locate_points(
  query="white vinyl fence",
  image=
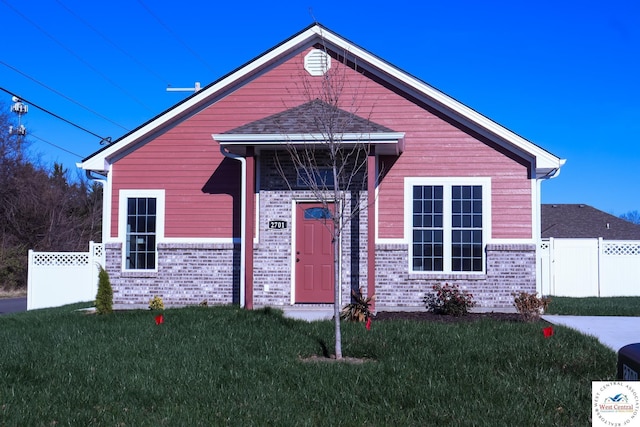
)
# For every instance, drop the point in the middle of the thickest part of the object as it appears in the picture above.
(589, 267)
(59, 278)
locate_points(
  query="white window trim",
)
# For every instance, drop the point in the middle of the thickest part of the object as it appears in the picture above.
(159, 195)
(447, 183)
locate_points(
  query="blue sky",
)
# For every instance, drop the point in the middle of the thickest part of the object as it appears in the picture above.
(563, 74)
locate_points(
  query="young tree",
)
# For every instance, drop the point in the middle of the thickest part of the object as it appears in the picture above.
(332, 167)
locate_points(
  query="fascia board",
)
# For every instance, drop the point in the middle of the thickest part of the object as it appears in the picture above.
(257, 139)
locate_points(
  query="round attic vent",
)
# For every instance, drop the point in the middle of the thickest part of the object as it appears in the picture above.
(317, 62)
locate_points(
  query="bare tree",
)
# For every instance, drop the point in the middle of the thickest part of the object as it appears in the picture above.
(631, 216)
(332, 163)
(40, 209)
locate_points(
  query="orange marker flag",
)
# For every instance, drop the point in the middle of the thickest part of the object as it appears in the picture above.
(548, 331)
(159, 319)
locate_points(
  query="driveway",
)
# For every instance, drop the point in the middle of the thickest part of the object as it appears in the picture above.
(614, 332)
(13, 305)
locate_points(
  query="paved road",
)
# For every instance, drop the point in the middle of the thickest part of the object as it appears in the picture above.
(13, 305)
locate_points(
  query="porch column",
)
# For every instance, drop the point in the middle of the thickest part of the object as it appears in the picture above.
(247, 245)
(371, 225)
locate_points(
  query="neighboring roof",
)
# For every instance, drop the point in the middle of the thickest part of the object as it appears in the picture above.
(584, 221)
(545, 163)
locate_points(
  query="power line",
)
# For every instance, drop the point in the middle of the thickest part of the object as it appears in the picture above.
(56, 146)
(166, 27)
(102, 139)
(79, 58)
(105, 38)
(61, 94)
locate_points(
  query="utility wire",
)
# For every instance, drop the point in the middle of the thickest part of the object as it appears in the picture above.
(78, 57)
(102, 139)
(56, 146)
(62, 95)
(166, 27)
(105, 38)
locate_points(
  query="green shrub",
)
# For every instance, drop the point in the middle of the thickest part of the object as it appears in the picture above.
(449, 300)
(156, 303)
(104, 298)
(530, 306)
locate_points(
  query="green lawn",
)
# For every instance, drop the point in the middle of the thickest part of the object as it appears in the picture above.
(227, 366)
(593, 306)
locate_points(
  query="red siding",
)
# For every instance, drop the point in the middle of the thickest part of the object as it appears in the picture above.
(184, 158)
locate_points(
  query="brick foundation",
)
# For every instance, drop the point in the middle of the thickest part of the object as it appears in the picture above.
(188, 274)
(510, 269)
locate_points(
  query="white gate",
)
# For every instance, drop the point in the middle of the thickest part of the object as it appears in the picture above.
(589, 267)
(59, 278)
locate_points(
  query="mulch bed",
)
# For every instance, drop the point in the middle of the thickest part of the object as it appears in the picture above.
(426, 316)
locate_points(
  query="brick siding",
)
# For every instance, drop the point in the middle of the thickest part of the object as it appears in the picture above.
(510, 269)
(188, 274)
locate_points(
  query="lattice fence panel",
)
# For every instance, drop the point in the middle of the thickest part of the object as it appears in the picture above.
(98, 250)
(621, 248)
(60, 259)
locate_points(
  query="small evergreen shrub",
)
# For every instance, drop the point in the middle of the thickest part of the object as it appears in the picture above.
(358, 310)
(530, 306)
(156, 303)
(449, 300)
(104, 298)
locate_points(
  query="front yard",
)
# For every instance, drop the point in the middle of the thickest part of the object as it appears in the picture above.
(224, 365)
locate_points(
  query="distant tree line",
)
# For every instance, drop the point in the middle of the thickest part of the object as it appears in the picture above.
(631, 216)
(41, 208)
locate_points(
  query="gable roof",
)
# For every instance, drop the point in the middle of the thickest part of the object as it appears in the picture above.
(545, 163)
(584, 221)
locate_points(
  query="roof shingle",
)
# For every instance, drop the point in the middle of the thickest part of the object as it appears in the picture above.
(310, 118)
(584, 221)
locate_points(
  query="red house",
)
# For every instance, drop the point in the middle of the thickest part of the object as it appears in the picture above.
(195, 208)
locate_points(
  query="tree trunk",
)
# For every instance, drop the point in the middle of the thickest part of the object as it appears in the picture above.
(336, 294)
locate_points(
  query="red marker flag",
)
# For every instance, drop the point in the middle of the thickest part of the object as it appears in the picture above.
(159, 319)
(548, 331)
(368, 325)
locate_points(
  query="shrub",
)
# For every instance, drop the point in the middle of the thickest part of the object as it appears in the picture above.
(156, 303)
(530, 306)
(449, 300)
(104, 298)
(358, 310)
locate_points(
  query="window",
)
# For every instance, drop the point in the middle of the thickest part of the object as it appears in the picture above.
(320, 178)
(141, 227)
(141, 233)
(317, 213)
(448, 224)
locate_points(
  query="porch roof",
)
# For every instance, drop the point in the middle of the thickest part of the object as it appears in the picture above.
(314, 122)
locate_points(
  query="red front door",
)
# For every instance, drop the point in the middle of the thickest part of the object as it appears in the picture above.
(314, 254)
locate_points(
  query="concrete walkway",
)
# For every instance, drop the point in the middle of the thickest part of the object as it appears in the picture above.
(614, 332)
